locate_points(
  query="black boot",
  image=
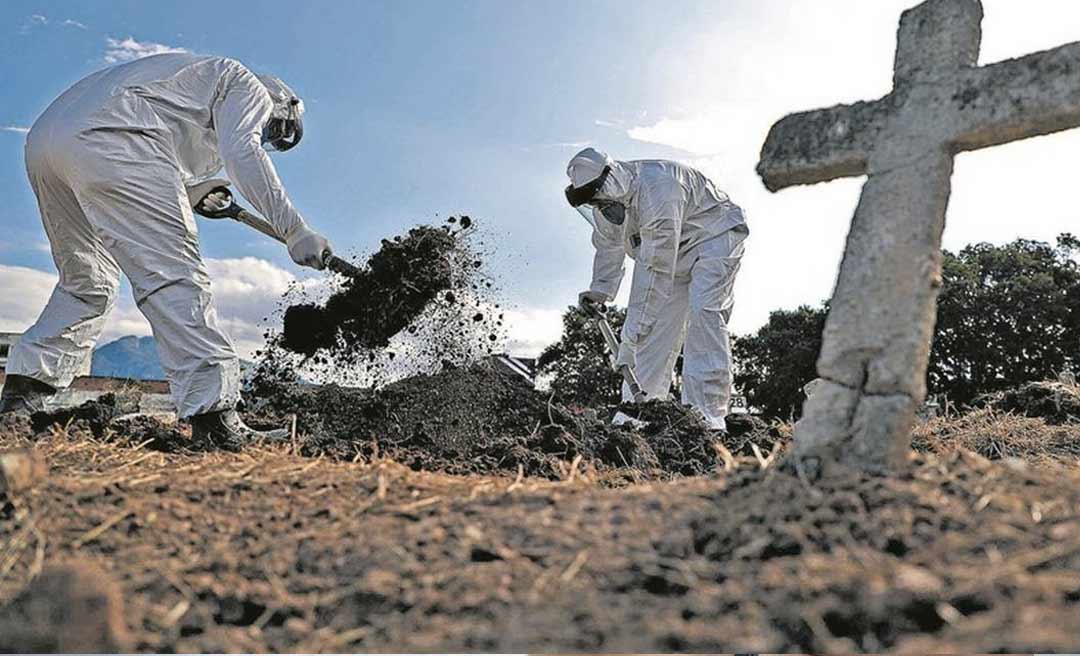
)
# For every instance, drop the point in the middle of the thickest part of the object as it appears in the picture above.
(23, 395)
(224, 429)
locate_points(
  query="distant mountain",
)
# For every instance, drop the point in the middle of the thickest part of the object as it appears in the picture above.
(136, 358)
(128, 357)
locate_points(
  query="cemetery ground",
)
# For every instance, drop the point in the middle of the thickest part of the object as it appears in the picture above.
(127, 543)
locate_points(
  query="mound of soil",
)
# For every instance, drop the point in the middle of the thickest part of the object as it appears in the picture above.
(483, 419)
(95, 415)
(69, 608)
(1055, 402)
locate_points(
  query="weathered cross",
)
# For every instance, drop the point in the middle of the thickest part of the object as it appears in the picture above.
(876, 342)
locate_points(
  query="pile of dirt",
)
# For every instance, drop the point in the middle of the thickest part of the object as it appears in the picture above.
(1057, 403)
(485, 419)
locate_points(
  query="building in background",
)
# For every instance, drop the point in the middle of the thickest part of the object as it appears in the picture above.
(7, 340)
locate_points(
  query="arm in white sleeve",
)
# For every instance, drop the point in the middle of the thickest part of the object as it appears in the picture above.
(239, 118)
(607, 270)
(661, 208)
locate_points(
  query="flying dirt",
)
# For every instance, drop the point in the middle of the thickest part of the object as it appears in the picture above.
(420, 302)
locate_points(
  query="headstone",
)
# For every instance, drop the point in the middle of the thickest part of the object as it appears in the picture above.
(876, 342)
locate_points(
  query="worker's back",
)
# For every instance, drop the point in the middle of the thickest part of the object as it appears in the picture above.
(707, 211)
(174, 91)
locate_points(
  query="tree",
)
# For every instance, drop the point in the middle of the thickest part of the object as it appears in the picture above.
(1007, 315)
(772, 365)
(578, 363)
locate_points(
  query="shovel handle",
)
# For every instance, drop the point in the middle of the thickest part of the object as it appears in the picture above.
(234, 211)
(612, 343)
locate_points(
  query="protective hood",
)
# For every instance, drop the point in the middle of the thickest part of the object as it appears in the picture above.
(588, 166)
(284, 98)
(285, 128)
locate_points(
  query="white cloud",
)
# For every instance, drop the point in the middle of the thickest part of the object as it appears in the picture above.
(731, 86)
(39, 19)
(531, 330)
(74, 23)
(124, 50)
(25, 293)
(14, 128)
(245, 291)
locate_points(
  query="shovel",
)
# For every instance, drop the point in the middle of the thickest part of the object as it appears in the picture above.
(598, 313)
(198, 193)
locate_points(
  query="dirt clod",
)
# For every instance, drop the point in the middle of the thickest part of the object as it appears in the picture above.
(69, 608)
(21, 470)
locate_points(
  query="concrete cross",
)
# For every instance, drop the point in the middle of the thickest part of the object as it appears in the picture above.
(876, 342)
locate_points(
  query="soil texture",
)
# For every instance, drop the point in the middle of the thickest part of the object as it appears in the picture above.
(266, 550)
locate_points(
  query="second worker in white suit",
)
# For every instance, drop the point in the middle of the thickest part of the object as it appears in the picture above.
(686, 238)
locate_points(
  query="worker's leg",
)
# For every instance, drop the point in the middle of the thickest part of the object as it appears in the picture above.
(707, 355)
(656, 350)
(132, 193)
(60, 343)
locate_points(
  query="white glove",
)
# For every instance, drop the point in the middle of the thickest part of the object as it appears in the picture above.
(307, 247)
(589, 298)
(215, 201)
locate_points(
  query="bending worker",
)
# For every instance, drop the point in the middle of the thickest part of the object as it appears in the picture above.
(686, 238)
(109, 161)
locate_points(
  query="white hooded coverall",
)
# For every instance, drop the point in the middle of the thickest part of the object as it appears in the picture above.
(109, 162)
(687, 239)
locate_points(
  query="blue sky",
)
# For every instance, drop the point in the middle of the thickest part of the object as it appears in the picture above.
(418, 109)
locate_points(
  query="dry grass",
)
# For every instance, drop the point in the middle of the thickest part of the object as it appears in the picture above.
(1000, 435)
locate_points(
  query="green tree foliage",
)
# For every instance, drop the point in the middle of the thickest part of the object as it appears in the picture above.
(578, 363)
(772, 365)
(1006, 315)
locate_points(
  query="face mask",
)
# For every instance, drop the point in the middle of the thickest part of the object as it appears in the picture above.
(578, 196)
(613, 212)
(281, 134)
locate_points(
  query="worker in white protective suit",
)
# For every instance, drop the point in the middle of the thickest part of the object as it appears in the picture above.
(686, 238)
(109, 161)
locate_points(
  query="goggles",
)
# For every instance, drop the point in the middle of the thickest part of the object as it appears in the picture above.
(578, 196)
(281, 134)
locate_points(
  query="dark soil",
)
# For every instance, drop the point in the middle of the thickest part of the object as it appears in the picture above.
(394, 287)
(422, 301)
(109, 418)
(72, 607)
(266, 551)
(95, 415)
(483, 420)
